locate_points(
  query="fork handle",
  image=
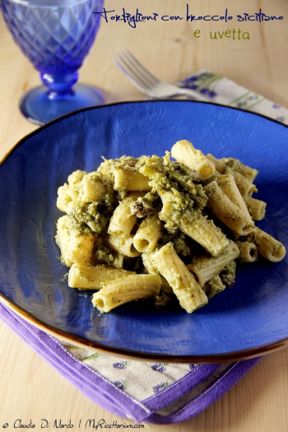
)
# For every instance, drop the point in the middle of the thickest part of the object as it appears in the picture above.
(192, 94)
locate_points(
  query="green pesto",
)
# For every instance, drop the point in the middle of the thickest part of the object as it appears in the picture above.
(104, 255)
(146, 205)
(179, 241)
(163, 175)
(228, 274)
(106, 168)
(96, 215)
(166, 174)
(78, 226)
(177, 203)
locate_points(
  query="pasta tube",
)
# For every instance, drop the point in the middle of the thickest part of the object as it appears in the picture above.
(75, 177)
(82, 188)
(184, 151)
(189, 293)
(248, 251)
(245, 186)
(106, 168)
(130, 180)
(75, 246)
(256, 208)
(123, 245)
(64, 199)
(122, 221)
(214, 286)
(205, 268)
(270, 248)
(228, 274)
(147, 235)
(90, 277)
(219, 164)
(227, 211)
(126, 289)
(196, 226)
(147, 260)
(171, 212)
(91, 188)
(228, 185)
(248, 172)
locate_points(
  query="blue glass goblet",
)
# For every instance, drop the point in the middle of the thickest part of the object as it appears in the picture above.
(55, 35)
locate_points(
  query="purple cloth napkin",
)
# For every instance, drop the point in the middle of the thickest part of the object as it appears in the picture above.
(183, 399)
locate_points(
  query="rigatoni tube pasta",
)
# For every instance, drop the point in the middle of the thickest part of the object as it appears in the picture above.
(256, 208)
(268, 246)
(246, 187)
(194, 224)
(229, 187)
(227, 211)
(214, 286)
(122, 220)
(189, 293)
(88, 277)
(246, 171)
(148, 234)
(74, 244)
(126, 289)
(129, 180)
(203, 231)
(205, 268)
(123, 245)
(159, 227)
(248, 251)
(184, 151)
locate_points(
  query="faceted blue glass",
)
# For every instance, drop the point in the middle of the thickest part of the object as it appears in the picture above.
(56, 36)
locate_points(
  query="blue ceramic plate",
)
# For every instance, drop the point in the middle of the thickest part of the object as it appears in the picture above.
(246, 320)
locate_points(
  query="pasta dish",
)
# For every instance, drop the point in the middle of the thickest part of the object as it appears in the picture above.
(169, 228)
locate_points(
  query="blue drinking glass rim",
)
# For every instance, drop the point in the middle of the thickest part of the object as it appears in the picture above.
(77, 340)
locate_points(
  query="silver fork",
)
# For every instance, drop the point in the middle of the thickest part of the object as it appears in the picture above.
(149, 83)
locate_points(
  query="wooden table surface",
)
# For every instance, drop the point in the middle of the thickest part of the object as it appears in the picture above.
(30, 388)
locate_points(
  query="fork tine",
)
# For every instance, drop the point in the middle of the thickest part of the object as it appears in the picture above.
(146, 75)
(131, 73)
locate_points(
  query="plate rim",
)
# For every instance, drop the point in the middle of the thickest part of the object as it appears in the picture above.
(245, 354)
(133, 354)
(148, 101)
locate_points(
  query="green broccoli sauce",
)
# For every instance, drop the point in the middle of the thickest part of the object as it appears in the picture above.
(167, 176)
(146, 205)
(95, 216)
(104, 255)
(179, 241)
(228, 274)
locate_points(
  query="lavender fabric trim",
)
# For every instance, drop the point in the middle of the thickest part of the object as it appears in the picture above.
(106, 394)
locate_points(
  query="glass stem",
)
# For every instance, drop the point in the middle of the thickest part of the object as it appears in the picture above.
(59, 85)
